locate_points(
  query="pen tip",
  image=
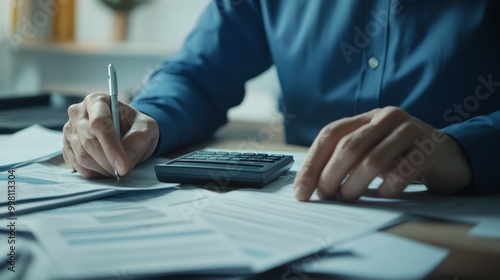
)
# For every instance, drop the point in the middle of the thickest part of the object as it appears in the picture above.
(117, 177)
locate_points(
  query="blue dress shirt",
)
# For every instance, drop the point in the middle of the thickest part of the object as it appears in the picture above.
(437, 60)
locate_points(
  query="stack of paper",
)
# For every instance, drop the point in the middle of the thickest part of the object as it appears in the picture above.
(33, 144)
(43, 186)
(377, 256)
(140, 240)
(273, 228)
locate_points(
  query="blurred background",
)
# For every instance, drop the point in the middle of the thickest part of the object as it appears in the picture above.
(65, 46)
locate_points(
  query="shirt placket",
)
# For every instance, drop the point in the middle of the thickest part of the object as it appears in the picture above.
(375, 30)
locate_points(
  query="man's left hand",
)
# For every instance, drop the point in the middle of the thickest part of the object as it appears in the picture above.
(389, 143)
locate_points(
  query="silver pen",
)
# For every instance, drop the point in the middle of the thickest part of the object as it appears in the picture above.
(115, 113)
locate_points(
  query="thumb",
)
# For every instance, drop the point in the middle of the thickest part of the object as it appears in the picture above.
(135, 143)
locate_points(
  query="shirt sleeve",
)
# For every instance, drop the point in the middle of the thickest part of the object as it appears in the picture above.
(190, 93)
(480, 139)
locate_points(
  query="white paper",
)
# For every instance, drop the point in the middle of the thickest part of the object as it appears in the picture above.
(41, 186)
(113, 200)
(31, 261)
(31, 144)
(379, 256)
(416, 199)
(487, 227)
(143, 240)
(273, 228)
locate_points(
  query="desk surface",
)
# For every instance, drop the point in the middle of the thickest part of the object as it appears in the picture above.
(469, 257)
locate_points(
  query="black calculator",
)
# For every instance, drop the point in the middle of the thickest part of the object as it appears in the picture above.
(224, 169)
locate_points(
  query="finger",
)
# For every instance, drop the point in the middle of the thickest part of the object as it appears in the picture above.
(101, 125)
(68, 154)
(66, 146)
(91, 145)
(320, 152)
(354, 147)
(351, 150)
(379, 160)
(141, 139)
(135, 143)
(82, 158)
(76, 153)
(70, 158)
(408, 170)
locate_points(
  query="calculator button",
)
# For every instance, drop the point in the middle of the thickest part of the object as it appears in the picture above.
(204, 153)
(266, 160)
(248, 154)
(273, 158)
(222, 158)
(246, 159)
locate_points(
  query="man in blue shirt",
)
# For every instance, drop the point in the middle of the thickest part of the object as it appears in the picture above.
(405, 90)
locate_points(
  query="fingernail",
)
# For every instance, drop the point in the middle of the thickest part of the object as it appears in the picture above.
(118, 166)
(300, 193)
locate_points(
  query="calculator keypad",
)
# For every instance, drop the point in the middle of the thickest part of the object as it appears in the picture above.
(231, 156)
(225, 169)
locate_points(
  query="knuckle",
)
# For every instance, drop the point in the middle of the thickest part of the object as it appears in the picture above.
(100, 97)
(90, 142)
(408, 128)
(390, 113)
(83, 158)
(99, 123)
(73, 110)
(151, 123)
(370, 165)
(393, 111)
(327, 132)
(67, 128)
(347, 145)
(95, 97)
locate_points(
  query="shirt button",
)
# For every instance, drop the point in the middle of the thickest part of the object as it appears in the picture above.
(373, 62)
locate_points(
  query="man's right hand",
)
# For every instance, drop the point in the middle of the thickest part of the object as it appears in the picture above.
(91, 145)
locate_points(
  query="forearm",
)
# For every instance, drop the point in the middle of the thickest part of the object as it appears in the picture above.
(183, 114)
(480, 137)
(189, 95)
